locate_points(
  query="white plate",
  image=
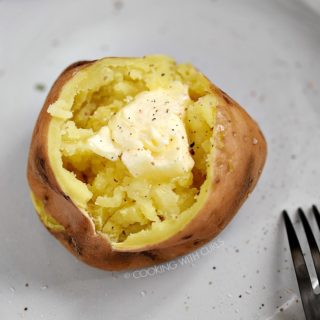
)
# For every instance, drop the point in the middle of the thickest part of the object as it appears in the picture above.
(265, 54)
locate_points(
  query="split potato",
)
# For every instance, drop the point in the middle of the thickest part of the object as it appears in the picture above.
(115, 212)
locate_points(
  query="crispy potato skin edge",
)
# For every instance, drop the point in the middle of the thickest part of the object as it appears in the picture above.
(230, 189)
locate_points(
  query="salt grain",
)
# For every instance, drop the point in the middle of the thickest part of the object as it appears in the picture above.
(220, 128)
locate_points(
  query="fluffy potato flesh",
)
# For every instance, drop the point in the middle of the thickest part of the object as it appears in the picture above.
(131, 212)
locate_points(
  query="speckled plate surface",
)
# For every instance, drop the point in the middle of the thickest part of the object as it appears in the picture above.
(265, 54)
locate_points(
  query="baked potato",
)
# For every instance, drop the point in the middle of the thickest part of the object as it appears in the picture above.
(135, 161)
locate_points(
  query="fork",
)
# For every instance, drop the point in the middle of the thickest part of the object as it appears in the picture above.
(310, 300)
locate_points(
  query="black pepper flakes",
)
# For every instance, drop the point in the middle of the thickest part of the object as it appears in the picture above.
(40, 87)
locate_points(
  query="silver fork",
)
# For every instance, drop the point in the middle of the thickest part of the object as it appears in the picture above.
(310, 300)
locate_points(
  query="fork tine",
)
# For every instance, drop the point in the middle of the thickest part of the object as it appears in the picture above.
(302, 274)
(316, 214)
(312, 242)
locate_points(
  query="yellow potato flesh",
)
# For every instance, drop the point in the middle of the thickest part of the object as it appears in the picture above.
(130, 212)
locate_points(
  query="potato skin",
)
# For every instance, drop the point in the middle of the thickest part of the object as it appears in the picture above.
(243, 143)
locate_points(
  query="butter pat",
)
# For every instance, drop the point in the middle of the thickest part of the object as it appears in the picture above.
(102, 145)
(149, 134)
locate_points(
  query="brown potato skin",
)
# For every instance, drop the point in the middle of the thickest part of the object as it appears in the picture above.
(230, 189)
